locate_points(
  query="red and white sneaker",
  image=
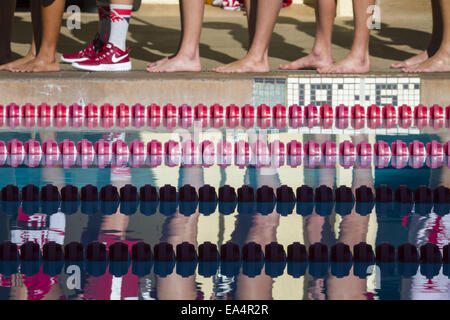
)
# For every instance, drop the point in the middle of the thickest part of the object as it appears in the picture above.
(86, 54)
(232, 5)
(110, 58)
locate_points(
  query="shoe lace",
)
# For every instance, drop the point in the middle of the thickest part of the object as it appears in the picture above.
(87, 49)
(105, 52)
(91, 47)
(101, 56)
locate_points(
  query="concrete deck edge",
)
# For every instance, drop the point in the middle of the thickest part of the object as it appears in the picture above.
(179, 88)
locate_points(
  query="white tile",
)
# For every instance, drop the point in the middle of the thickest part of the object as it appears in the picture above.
(349, 80)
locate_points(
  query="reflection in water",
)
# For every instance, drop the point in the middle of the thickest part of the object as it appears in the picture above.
(435, 229)
(40, 229)
(264, 223)
(39, 279)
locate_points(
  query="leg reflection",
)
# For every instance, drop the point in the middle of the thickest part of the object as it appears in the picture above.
(260, 229)
(177, 229)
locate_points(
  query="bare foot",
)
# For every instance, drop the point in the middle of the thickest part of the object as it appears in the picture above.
(157, 63)
(38, 65)
(311, 61)
(178, 64)
(440, 62)
(247, 64)
(350, 64)
(421, 57)
(13, 64)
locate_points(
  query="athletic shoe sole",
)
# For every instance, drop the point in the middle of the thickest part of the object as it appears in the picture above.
(126, 66)
(73, 60)
(232, 8)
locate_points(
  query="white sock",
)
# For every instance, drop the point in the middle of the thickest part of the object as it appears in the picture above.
(104, 23)
(120, 19)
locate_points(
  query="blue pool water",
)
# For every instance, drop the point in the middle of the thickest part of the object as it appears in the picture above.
(329, 281)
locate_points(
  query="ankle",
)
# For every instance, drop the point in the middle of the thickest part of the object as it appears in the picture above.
(258, 57)
(46, 57)
(320, 51)
(189, 54)
(362, 56)
(31, 54)
(444, 50)
(433, 48)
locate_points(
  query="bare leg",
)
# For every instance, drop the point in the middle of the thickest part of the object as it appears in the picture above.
(320, 56)
(433, 46)
(188, 56)
(35, 11)
(30, 56)
(36, 22)
(257, 58)
(358, 60)
(251, 7)
(7, 8)
(160, 61)
(440, 62)
(46, 60)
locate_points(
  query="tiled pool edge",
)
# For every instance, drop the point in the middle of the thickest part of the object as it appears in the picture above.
(210, 88)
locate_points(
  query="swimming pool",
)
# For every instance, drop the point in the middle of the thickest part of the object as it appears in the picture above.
(251, 222)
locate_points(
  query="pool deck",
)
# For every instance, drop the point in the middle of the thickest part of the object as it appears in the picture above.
(154, 33)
